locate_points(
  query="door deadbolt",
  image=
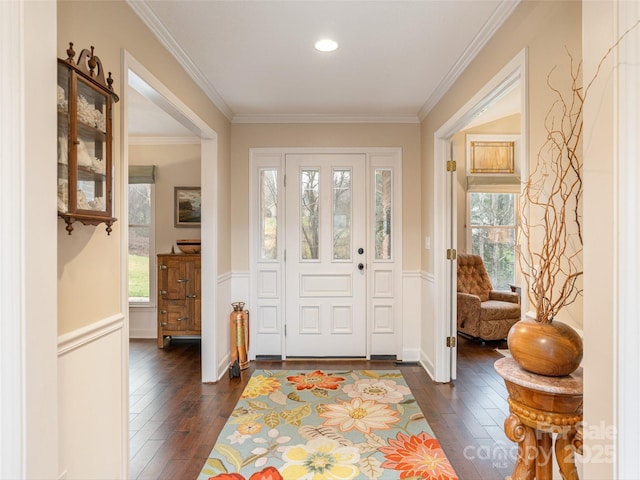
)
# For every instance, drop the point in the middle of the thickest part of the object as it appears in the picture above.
(361, 250)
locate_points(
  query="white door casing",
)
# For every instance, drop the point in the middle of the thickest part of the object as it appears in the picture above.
(275, 297)
(514, 73)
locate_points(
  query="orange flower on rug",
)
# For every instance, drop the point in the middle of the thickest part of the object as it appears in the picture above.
(319, 425)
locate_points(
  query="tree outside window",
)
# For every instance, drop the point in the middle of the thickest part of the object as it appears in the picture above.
(492, 224)
(140, 236)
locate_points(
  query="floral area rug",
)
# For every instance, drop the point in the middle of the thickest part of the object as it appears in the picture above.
(327, 425)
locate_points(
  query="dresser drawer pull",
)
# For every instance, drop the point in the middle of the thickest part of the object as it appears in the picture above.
(163, 312)
(163, 267)
(182, 319)
(192, 295)
(163, 324)
(163, 292)
(182, 280)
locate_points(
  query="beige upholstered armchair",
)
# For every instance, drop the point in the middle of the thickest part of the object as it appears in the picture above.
(482, 312)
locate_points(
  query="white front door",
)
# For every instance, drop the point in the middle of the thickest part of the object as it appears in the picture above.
(325, 277)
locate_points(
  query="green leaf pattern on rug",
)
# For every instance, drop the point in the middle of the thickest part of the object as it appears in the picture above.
(327, 425)
(258, 405)
(309, 432)
(370, 466)
(216, 466)
(231, 454)
(295, 416)
(272, 420)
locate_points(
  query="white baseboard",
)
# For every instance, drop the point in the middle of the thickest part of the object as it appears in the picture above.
(140, 333)
(411, 355)
(427, 365)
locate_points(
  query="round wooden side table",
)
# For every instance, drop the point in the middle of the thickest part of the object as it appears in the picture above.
(540, 406)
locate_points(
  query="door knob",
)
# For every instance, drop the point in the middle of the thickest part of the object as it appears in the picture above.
(360, 266)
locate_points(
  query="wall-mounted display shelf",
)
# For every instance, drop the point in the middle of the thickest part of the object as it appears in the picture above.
(85, 156)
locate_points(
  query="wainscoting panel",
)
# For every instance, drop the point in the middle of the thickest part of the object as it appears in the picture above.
(427, 342)
(93, 417)
(223, 342)
(143, 322)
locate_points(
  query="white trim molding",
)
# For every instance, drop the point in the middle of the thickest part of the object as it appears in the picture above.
(29, 437)
(499, 16)
(318, 118)
(82, 336)
(627, 442)
(142, 80)
(513, 73)
(12, 160)
(163, 140)
(150, 19)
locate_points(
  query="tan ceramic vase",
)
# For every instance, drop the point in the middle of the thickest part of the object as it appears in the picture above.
(553, 349)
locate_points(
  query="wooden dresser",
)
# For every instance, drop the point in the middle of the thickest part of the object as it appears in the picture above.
(179, 299)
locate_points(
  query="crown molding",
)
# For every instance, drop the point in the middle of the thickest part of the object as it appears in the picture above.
(150, 19)
(501, 13)
(134, 140)
(324, 118)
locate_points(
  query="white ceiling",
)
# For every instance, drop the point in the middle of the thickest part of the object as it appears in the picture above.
(256, 61)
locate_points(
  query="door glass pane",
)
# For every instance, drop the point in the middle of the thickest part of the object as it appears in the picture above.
(493, 235)
(383, 214)
(342, 214)
(309, 214)
(269, 214)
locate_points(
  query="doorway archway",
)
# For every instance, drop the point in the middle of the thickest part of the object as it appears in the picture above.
(149, 86)
(444, 228)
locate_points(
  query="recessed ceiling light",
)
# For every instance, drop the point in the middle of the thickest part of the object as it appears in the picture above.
(326, 45)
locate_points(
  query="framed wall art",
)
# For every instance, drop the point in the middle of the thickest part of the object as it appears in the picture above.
(187, 207)
(492, 154)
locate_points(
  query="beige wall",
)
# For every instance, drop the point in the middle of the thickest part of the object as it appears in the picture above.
(89, 280)
(177, 166)
(246, 136)
(546, 30)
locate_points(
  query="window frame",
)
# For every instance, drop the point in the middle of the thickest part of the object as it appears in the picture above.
(152, 303)
(508, 189)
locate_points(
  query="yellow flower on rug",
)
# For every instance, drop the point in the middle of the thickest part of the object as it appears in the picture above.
(320, 459)
(260, 385)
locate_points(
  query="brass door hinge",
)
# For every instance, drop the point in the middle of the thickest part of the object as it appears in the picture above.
(451, 253)
(451, 166)
(451, 342)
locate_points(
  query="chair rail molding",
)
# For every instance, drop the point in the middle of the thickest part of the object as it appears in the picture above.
(89, 333)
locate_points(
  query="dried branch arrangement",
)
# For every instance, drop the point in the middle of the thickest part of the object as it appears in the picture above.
(551, 202)
(551, 206)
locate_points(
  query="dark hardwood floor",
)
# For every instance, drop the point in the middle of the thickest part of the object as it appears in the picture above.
(175, 419)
